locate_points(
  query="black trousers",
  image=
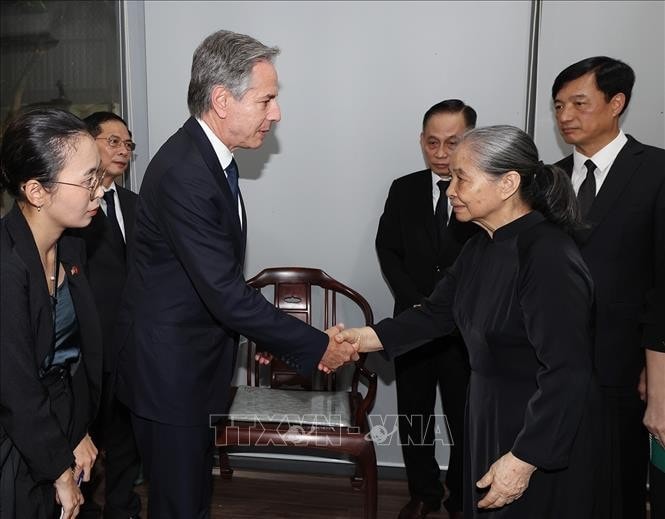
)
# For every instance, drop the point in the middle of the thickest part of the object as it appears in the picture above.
(177, 462)
(625, 444)
(112, 431)
(444, 364)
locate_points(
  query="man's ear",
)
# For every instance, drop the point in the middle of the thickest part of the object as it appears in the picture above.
(617, 103)
(219, 98)
(35, 194)
(510, 184)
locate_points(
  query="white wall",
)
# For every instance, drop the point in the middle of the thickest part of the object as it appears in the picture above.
(630, 31)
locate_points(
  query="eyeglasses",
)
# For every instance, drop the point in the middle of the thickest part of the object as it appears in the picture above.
(92, 183)
(116, 142)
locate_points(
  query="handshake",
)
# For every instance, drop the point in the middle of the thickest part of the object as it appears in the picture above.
(343, 347)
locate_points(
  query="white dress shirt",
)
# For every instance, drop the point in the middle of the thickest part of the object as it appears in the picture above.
(603, 160)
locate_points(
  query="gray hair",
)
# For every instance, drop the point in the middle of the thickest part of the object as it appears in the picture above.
(501, 148)
(224, 58)
(495, 150)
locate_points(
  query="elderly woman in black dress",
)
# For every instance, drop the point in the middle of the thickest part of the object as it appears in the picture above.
(50, 357)
(521, 296)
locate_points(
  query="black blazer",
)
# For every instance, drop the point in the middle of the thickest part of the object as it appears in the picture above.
(625, 251)
(411, 257)
(186, 299)
(107, 265)
(26, 329)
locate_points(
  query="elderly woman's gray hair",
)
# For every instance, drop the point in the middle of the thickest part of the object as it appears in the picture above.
(224, 58)
(495, 150)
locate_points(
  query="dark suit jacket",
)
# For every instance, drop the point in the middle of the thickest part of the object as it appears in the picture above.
(625, 252)
(411, 257)
(26, 330)
(186, 299)
(107, 265)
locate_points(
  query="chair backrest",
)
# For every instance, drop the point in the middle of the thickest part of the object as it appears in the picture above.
(293, 293)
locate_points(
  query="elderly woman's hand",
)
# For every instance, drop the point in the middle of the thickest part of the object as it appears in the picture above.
(508, 478)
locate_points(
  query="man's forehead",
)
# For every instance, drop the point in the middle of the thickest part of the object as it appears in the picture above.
(446, 122)
(579, 87)
(114, 127)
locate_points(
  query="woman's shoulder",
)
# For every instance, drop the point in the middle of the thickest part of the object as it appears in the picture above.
(548, 242)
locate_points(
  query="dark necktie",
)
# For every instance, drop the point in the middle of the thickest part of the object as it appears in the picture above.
(111, 214)
(232, 177)
(441, 211)
(587, 191)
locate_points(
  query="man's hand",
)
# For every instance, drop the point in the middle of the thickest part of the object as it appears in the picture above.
(508, 478)
(337, 353)
(85, 455)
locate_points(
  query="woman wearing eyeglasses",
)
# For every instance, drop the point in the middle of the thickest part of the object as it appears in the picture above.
(50, 348)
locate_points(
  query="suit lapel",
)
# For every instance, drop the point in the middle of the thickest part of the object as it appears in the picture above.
(87, 317)
(24, 242)
(193, 128)
(244, 229)
(624, 167)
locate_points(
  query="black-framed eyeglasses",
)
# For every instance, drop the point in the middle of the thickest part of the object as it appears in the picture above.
(92, 184)
(116, 142)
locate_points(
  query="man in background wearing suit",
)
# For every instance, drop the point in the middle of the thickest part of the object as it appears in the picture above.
(620, 184)
(106, 245)
(187, 300)
(417, 239)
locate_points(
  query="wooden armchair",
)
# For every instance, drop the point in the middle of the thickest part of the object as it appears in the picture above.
(311, 414)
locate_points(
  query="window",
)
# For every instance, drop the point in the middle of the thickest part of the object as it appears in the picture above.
(63, 54)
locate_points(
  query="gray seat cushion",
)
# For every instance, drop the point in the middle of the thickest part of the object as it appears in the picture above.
(253, 404)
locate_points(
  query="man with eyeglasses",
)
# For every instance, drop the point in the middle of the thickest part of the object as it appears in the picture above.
(418, 238)
(106, 242)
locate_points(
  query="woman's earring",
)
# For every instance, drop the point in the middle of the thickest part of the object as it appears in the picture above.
(39, 208)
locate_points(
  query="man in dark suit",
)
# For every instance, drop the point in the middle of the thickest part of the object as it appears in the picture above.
(620, 184)
(186, 300)
(106, 244)
(417, 239)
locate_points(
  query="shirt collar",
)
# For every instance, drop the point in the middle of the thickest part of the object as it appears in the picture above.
(224, 155)
(604, 158)
(435, 180)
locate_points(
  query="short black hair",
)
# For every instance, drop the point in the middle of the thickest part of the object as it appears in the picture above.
(95, 120)
(452, 106)
(612, 77)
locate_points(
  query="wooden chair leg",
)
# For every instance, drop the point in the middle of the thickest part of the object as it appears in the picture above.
(367, 460)
(358, 480)
(225, 470)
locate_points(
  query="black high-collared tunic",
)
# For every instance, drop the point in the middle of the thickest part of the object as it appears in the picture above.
(522, 300)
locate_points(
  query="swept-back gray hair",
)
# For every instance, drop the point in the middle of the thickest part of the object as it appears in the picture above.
(224, 58)
(496, 150)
